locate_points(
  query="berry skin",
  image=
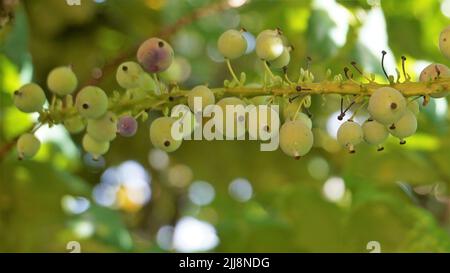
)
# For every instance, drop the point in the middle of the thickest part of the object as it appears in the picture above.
(238, 120)
(349, 135)
(155, 55)
(406, 126)
(444, 42)
(103, 129)
(432, 72)
(178, 71)
(94, 147)
(75, 124)
(283, 60)
(27, 146)
(29, 98)
(414, 107)
(62, 81)
(232, 44)
(386, 105)
(128, 75)
(161, 134)
(204, 93)
(375, 133)
(305, 119)
(296, 139)
(269, 45)
(147, 84)
(127, 126)
(91, 102)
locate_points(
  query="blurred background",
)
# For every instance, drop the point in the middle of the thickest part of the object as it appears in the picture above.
(222, 196)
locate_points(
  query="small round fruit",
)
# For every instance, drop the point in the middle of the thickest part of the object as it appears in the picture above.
(103, 129)
(406, 126)
(148, 84)
(238, 118)
(91, 102)
(283, 60)
(432, 72)
(27, 146)
(94, 147)
(127, 126)
(444, 42)
(296, 139)
(375, 133)
(155, 55)
(269, 45)
(414, 107)
(349, 135)
(128, 75)
(178, 71)
(386, 105)
(62, 81)
(232, 44)
(74, 124)
(202, 92)
(29, 98)
(161, 134)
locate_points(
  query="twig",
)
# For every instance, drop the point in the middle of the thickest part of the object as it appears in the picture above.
(111, 65)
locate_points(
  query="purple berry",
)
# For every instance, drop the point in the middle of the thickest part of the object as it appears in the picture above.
(127, 126)
(155, 55)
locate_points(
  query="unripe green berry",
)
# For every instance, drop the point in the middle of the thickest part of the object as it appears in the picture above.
(269, 45)
(74, 124)
(296, 139)
(29, 98)
(349, 135)
(103, 129)
(406, 126)
(283, 60)
(91, 102)
(203, 92)
(161, 134)
(386, 105)
(94, 147)
(128, 75)
(374, 132)
(232, 44)
(62, 81)
(27, 146)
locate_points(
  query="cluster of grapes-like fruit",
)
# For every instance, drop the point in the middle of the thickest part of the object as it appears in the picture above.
(102, 116)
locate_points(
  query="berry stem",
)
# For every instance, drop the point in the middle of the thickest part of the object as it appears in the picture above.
(268, 70)
(139, 114)
(299, 106)
(230, 68)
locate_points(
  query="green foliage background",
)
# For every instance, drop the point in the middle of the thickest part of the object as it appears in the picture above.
(288, 211)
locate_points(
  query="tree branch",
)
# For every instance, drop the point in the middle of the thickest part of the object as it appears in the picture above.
(165, 33)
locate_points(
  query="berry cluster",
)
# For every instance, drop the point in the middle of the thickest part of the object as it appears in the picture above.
(393, 107)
